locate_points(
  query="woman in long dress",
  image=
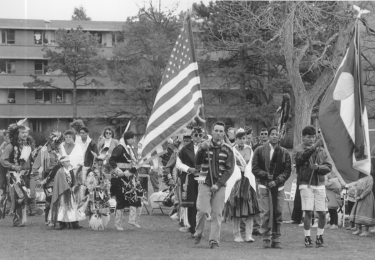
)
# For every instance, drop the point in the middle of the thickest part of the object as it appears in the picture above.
(363, 212)
(242, 202)
(64, 206)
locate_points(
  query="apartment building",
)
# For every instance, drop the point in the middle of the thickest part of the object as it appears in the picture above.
(21, 54)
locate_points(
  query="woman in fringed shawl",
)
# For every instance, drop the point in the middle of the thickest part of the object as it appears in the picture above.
(242, 203)
(64, 208)
(46, 165)
(363, 212)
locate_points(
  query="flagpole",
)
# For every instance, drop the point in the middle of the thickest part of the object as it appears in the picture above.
(199, 87)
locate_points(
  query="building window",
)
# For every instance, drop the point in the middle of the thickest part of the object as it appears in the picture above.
(99, 35)
(8, 36)
(40, 67)
(44, 37)
(40, 38)
(117, 38)
(7, 67)
(43, 96)
(11, 96)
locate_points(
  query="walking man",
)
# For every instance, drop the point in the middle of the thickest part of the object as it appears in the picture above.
(189, 186)
(215, 171)
(312, 164)
(272, 168)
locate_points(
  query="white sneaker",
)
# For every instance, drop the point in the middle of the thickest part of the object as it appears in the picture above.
(184, 229)
(301, 225)
(249, 239)
(119, 228)
(239, 240)
(315, 225)
(175, 217)
(334, 227)
(135, 224)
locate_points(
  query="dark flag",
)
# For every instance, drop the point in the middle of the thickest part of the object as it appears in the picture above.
(343, 117)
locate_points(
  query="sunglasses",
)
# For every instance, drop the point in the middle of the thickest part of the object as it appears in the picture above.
(108, 133)
(196, 135)
(263, 133)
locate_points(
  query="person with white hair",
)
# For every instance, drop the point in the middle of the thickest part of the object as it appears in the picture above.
(64, 208)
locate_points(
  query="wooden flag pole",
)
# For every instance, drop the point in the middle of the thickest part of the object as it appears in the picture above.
(199, 87)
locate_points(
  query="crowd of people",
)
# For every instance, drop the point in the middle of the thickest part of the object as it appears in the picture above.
(218, 176)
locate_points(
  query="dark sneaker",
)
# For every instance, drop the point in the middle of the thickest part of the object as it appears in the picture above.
(197, 240)
(213, 244)
(276, 245)
(266, 244)
(256, 232)
(319, 241)
(308, 242)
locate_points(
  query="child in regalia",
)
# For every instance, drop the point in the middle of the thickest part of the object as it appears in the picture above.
(134, 195)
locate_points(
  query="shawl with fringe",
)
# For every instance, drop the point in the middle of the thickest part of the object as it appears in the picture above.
(61, 188)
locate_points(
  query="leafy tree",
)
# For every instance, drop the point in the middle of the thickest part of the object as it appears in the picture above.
(311, 38)
(245, 72)
(139, 62)
(79, 13)
(77, 55)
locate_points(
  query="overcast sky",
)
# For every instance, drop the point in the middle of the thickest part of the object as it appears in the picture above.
(98, 10)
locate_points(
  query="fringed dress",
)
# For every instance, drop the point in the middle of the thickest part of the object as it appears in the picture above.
(363, 212)
(243, 200)
(64, 206)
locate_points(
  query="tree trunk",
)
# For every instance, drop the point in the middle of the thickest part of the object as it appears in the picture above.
(302, 111)
(74, 101)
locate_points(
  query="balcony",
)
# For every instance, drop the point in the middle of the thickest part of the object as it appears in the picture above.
(35, 52)
(54, 111)
(9, 81)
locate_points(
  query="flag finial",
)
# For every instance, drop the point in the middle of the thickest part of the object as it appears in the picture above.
(360, 11)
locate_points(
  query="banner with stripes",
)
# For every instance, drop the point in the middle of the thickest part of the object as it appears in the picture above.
(178, 99)
(343, 117)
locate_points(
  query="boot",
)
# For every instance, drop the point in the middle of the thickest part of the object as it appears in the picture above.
(359, 230)
(132, 215)
(236, 230)
(46, 212)
(365, 233)
(138, 216)
(249, 229)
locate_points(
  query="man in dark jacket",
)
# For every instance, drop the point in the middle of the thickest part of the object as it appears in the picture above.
(189, 186)
(215, 171)
(312, 164)
(272, 167)
(88, 146)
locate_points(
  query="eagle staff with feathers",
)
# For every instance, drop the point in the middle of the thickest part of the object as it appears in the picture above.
(272, 167)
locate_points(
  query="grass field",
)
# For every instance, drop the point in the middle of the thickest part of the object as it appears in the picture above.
(159, 238)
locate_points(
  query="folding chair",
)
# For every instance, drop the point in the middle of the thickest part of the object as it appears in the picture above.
(289, 196)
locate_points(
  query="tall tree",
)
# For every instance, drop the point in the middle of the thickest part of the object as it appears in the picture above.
(79, 13)
(77, 55)
(245, 73)
(139, 60)
(310, 36)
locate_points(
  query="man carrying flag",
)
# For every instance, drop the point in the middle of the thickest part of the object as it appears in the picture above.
(215, 159)
(343, 116)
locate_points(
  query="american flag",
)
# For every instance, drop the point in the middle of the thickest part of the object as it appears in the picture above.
(178, 99)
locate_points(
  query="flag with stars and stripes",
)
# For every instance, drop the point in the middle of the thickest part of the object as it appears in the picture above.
(178, 99)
